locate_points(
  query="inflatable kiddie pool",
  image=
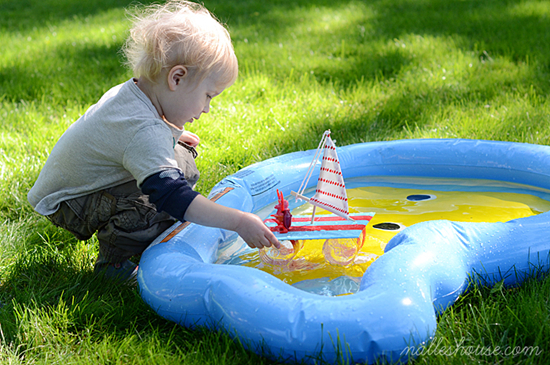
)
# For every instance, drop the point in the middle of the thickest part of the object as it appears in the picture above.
(422, 272)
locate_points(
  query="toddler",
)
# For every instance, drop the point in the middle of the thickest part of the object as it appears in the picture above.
(126, 168)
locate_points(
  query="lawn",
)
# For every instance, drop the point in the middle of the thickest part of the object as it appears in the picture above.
(370, 70)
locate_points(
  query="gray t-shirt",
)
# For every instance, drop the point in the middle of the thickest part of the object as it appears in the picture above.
(119, 139)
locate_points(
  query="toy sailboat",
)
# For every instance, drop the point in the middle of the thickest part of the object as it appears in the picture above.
(330, 193)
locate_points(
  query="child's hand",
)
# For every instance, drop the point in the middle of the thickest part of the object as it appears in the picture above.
(255, 233)
(249, 226)
(190, 138)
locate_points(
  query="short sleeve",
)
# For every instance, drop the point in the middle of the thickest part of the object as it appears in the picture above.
(150, 151)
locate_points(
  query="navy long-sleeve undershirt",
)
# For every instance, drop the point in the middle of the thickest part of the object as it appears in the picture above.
(170, 192)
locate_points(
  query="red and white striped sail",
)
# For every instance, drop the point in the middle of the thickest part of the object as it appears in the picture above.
(331, 189)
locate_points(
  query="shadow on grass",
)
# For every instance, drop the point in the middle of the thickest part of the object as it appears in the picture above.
(489, 29)
(23, 15)
(82, 73)
(505, 28)
(48, 299)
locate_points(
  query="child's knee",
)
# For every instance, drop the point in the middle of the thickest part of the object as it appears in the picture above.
(128, 233)
(83, 215)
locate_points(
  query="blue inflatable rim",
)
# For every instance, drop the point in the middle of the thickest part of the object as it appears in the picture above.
(423, 271)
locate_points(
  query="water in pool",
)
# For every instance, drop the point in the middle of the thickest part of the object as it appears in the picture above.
(335, 267)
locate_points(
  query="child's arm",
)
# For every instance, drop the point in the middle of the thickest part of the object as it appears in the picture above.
(171, 193)
(249, 226)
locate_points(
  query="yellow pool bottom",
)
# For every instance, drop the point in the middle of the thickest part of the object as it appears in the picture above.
(391, 205)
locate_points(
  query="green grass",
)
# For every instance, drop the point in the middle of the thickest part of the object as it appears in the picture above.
(368, 70)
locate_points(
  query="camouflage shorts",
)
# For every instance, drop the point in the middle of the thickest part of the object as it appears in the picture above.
(124, 219)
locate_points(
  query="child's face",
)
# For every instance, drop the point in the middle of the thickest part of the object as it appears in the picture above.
(188, 100)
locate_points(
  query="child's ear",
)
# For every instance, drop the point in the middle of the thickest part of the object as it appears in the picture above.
(175, 76)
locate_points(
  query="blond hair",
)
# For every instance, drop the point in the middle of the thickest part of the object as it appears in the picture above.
(180, 33)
